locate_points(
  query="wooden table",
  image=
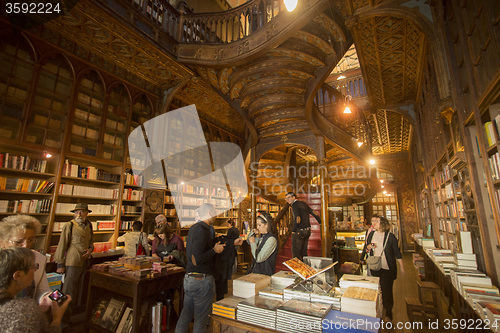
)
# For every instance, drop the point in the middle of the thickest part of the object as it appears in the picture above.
(135, 292)
(218, 321)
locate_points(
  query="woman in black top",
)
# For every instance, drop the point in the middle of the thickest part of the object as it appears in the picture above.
(264, 248)
(224, 261)
(389, 271)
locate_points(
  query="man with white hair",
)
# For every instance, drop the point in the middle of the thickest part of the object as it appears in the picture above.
(199, 283)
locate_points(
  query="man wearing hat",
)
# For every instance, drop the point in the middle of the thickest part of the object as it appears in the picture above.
(73, 251)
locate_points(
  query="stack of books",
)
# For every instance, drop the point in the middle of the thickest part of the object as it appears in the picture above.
(465, 260)
(227, 307)
(258, 310)
(301, 316)
(283, 278)
(418, 262)
(363, 301)
(273, 291)
(331, 297)
(461, 277)
(250, 285)
(299, 290)
(349, 280)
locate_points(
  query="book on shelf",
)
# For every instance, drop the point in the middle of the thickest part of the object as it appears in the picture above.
(464, 242)
(112, 314)
(125, 325)
(98, 311)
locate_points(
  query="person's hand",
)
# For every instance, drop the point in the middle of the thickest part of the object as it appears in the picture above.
(371, 246)
(45, 303)
(58, 311)
(251, 239)
(61, 270)
(402, 271)
(239, 241)
(87, 254)
(170, 258)
(218, 248)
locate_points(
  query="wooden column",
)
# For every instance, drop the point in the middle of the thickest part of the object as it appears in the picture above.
(323, 173)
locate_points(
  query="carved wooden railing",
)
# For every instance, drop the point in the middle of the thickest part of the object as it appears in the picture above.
(283, 223)
(219, 27)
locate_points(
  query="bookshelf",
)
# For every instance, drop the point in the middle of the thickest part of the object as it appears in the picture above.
(27, 179)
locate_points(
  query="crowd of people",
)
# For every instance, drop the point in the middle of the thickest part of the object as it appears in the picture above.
(208, 259)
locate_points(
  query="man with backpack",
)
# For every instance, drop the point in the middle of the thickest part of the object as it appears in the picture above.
(73, 253)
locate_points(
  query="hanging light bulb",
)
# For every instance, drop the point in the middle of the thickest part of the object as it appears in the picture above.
(346, 103)
(360, 143)
(290, 5)
(372, 161)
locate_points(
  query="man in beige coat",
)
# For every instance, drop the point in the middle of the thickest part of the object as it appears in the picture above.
(73, 252)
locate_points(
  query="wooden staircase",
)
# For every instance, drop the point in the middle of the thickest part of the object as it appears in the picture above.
(314, 247)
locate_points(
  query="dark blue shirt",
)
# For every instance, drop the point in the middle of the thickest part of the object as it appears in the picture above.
(200, 249)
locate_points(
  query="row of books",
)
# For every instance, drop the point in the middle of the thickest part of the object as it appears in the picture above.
(113, 315)
(492, 130)
(88, 172)
(22, 162)
(88, 191)
(494, 164)
(65, 208)
(131, 194)
(25, 206)
(131, 209)
(25, 185)
(135, 180)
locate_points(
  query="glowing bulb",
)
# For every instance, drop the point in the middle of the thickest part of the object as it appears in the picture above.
(360, 143)
(382, 181)
(347, 110)
(385, 192)
(290, 4)
(47, 154)
(382, 186)
(372, 161)
(182, 183)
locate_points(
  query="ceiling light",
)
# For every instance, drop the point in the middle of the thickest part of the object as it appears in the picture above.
(47, 154)
(382, 181)
(346, 103)
(385, 192)
(347, 110)
(341, 77)
(382, 186)
(372, 161)
(290, 4)
(360, 143)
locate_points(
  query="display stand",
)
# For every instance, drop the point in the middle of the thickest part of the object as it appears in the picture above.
(306, 272)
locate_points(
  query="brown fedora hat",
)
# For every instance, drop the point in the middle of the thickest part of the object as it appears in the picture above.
(81, 206)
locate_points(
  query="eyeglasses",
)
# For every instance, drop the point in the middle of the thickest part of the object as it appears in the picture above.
(20, 242)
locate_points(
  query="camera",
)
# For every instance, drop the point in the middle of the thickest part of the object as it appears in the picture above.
(58, 296)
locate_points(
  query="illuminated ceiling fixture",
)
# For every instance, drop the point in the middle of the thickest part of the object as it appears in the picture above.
(47, 154)
(360, 143)
(290, 4)
(346, 103)
(385, 192)
(341, 77)
(372, 161)
(382, 181)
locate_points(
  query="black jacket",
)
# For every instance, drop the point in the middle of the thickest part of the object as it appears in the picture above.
(224, 261)
(391, 251)
(300, 208)
(200, 245)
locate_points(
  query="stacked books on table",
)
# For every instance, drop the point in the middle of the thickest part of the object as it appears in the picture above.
(301, 316)
(273, 291)
(363, 301)
(283, 278)
(258, 310)
(331, 297)
(250, 285)
(349, 280)
(298, 291)
(227, 307)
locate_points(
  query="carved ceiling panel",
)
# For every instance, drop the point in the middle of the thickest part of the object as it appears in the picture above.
(391, 132)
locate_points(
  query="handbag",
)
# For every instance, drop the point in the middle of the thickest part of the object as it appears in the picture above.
(140, 251)
(374, 263)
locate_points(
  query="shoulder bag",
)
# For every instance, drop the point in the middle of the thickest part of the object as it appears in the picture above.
(374, 263)
(140, 249)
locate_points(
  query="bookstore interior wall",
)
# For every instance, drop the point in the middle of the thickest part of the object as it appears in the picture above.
(82, 117)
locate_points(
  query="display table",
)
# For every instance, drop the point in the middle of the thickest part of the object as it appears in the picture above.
(135, 292)
(218, 321)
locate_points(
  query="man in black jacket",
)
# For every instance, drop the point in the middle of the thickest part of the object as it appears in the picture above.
(301, 229)
(199, 284)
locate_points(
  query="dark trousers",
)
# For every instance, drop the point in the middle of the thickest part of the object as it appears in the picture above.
(300, 239)
(72, 286)
(220, 288)
(386, 284)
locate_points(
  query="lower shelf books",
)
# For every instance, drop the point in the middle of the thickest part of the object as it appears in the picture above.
(107, 313)
(125, 325)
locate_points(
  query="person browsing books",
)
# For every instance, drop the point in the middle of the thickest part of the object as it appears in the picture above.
(264, 248)
(169, 245)
(301, 229)
(389, 254)
(17, 270)
(199, 283)
(133, 238)
(20, 231)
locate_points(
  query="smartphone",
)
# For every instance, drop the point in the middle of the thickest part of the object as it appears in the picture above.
(58, 296)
